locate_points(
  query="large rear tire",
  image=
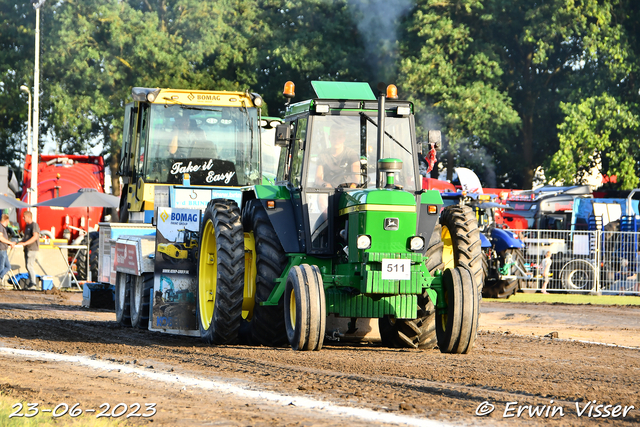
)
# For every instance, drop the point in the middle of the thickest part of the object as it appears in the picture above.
(419, 332)
(461, 239)
(220, 273)
(305, 309)
(123, 308)
(267, 324)
(457, 327)
(140, 300)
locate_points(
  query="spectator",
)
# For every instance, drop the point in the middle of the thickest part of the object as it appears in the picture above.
(625, 279)
(545, 268)
(5, 265)
(31, 243)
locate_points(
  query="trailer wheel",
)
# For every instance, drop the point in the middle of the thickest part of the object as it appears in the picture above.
(457, 325)
(419, 332)
(267, 325)
(304, 308)
(461, 239)
(140, 300)
(578, 275)
(123, 288)
(508, 287)
(220, 273)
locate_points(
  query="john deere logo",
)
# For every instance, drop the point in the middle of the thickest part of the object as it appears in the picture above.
(164, 215)
(190, 96)
(391, 223)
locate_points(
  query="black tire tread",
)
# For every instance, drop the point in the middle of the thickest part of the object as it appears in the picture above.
(268, 324)
(227, 313)
(465, 235)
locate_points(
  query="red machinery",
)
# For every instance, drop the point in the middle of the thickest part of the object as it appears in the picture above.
(59, 175)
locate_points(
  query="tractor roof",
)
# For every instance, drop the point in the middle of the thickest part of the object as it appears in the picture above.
(343, 90)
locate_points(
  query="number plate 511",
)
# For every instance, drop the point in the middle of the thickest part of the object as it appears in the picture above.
(396, 269)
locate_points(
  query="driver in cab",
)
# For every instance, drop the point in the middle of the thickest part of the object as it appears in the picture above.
(340, 165)
(186, 137)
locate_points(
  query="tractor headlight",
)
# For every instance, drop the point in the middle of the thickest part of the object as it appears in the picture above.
(416, 243)
(363, 241)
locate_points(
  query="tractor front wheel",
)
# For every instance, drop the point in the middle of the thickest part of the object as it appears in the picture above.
(220, 273)
(123, 309)
(304, 307)
(457, 325)
(140, 300)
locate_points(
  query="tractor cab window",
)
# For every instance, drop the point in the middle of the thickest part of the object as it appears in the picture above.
(339, 144)
(334, 153)
(397, 144)
(215, 145)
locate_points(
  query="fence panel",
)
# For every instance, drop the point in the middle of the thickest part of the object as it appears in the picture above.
(575, 263)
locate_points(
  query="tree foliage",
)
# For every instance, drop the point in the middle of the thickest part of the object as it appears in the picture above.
(507, 82)
(598, 133)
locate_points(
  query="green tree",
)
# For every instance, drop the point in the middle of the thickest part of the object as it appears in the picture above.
(546, 49)
(598, 133)
(101, 49)
(307, 40)
(17, 26)
(454, 78)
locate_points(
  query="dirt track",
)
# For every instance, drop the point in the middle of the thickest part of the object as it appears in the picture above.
(194, 384)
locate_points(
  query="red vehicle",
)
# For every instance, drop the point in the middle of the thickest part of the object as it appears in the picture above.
(59, 175)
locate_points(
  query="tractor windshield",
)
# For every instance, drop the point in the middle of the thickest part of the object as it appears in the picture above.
(339, 146)
(215, 145)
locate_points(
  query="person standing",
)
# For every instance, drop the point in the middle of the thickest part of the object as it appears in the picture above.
(545, 266)
(31, 243)
(5, 265)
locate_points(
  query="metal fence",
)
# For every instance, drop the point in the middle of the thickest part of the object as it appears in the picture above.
(583, 261)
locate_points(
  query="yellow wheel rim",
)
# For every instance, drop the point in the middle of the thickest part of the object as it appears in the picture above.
(250, 271)
(447, 250)
(292, 309)
(208, 274)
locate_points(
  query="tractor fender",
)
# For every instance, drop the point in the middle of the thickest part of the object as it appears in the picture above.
(484, 242)
(284, 223)
(504, 239)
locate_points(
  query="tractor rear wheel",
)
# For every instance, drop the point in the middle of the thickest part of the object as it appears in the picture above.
(507, 287)
(267, 324)
(419, 332)
(457, 327)
(123, 309)
(461, 239)
(140, 300)
(220, 273)
(304, 307)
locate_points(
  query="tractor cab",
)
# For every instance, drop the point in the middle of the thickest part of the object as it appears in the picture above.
(190, 138)
(330, 155)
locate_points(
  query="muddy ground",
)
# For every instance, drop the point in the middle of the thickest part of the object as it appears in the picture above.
(54, 353)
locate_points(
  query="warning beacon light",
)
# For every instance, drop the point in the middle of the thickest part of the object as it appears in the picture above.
(392, 92)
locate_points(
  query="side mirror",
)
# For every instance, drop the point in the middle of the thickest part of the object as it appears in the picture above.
(435, 139)
(283, 135)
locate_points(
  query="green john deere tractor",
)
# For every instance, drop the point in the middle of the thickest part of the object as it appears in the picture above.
(346, 230)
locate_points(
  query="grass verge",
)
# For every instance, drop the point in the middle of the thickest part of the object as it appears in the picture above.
(553, 298)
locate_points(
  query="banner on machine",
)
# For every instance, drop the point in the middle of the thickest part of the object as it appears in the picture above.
(175, 280)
